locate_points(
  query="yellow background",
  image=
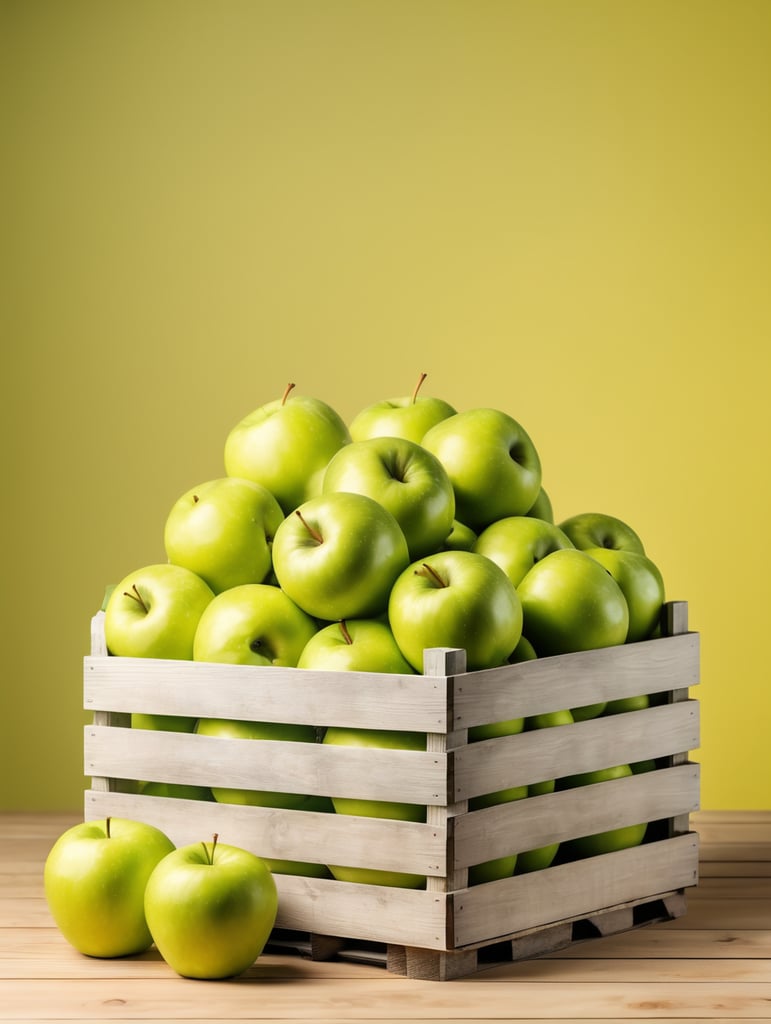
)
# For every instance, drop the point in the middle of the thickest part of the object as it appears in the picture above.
(559, 208)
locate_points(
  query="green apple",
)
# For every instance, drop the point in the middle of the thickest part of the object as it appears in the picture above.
(181, 791)
(624, 704)
(254, 624)
(516, 543)
(154, 612)
(524, 651)
(542, 507)
(613, 839)
(642, 585)
(222, 530)
(456, 599)
(95, 876)
(460, 538)
(405, 479)
(599, 530)
(246, 730)
(211, 908)
(589, 711)
(402, 811)
(285, 445)
(338, 555)
(570, 603)
(163, 723)
(550, 719)
(355, 645)
(409, 416)
(492, 463)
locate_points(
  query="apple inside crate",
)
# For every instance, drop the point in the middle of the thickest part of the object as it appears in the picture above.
(442, 925)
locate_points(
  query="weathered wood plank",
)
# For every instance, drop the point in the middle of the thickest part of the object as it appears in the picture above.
(571, 749)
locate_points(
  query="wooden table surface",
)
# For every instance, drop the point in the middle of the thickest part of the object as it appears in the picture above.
(713, 964)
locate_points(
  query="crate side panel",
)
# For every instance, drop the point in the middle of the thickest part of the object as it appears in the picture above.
(411, 776)
(555, 817)
(501, 909)
(253, 693)
(573, 680)
(544, 754)
(369, 912)
(307, 836)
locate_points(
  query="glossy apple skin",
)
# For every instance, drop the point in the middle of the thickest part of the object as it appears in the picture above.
(163, 723)
(95, 885)
(211, 920)
(179, 791)
(492, 463)
(570, 603)
(372, 649)
(222, 530)
(254, 624)
(382, 739)
(613, 839)
(174, 598)
(404, 478)
(460, 538)
(599, 530)
(286, 447)
(349, 574)
(642, 585)
(542, 507)
(400, 417)
(516, 543)
(476, 609)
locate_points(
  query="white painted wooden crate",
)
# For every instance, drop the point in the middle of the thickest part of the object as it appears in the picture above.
(448, 920)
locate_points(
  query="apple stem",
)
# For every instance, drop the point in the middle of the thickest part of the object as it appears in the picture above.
(418, 387)
(313, 532)
(210, 855)
(196, 499)
(136, 596)
(107, 826)
(430, 572)
(287, 389)
(344, 631)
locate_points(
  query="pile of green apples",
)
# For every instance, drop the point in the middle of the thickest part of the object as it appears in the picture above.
(329, 547)
(355, 547)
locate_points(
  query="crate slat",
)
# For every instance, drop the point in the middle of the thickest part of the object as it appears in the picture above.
(265, 694)
(573, 890)
(276, 833)
(573, 680)
(555, 817)
(542, 754)
(411, 776)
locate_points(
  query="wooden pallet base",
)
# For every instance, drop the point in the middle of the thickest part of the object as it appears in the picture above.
(433, 965)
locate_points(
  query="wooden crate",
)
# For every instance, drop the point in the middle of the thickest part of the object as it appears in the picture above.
(438, 931)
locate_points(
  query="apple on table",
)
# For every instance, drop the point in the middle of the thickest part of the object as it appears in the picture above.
(210, 909)
(95, 876)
